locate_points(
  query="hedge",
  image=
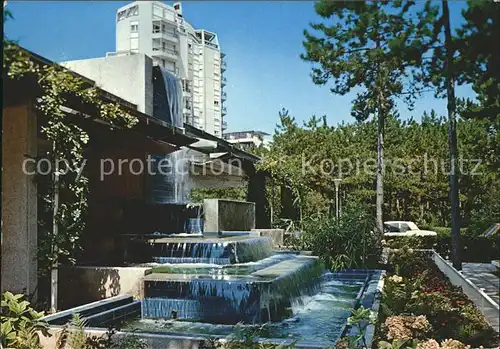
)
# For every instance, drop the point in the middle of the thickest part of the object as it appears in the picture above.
(473, 248)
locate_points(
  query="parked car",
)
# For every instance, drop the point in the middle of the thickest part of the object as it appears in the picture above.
(405, 228)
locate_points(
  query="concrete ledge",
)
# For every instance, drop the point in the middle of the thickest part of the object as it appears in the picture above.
(370, 298)
(276, 235)
(80, 285)
(61, 317)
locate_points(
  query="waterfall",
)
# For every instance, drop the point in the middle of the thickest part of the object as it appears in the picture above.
(169, 181)
(202, 298)
(167, 98)
(213, 252)
(226, 299)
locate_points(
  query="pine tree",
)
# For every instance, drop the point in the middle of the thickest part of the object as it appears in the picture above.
(368, 45)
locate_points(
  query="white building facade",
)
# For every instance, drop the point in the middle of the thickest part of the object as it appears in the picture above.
(193, 55)
(247, 139)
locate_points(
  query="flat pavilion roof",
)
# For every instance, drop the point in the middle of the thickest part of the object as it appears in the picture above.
(24, 89)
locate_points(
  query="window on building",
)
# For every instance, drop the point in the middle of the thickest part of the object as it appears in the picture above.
(134, 43)
(163, 63)
(134, 27)
(156, 28)
(133, 11)
(216, 102)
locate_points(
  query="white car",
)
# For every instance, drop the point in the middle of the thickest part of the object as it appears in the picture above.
(405, 228)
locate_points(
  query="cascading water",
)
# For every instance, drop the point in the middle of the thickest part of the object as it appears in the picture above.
(263, 293)
(167, 97)
(169, 180)
(213, 252)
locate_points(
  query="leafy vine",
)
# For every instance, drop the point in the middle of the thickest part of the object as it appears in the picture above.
(68, 142)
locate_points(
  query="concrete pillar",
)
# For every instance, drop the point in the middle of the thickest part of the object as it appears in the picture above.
(19, 201)
(257, 193)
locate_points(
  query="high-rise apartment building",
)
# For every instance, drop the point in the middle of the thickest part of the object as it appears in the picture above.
(193, 55)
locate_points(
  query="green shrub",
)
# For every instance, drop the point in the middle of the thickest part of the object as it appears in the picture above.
(418, 287)
(348, 242)
(423, 242)
(21, 324)
(73, 336)
(472, 248)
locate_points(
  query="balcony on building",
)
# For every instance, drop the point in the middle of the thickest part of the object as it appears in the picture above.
(224, 110)
(188, 118)
(186, 86)
(223, 66)
(210, 39)
(223, 96)
(224, 125)
(223, 81)
(160, 31)
(164, 52)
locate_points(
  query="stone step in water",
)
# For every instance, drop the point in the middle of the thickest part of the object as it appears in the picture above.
(184, 260)
(254, 298)
(224, 250)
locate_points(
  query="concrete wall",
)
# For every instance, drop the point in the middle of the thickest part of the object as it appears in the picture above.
(128, 77)
(80, 285)
(228, 215)
(276, 235)
(19, 201)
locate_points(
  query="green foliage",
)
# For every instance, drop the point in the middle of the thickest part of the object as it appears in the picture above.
(416, 242)
(199, 194)
(244, 338)
(21, 325)
(478, 58)
(73, 336)
(348, 242)
(69, 141)
(415, 181)
(397, 344)
(473, 246)
(359, 320)
(419, 288)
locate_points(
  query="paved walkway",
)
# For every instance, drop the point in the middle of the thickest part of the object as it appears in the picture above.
(483, 276)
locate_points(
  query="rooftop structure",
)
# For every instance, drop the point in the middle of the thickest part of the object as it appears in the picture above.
(246, 139)
(193, 55)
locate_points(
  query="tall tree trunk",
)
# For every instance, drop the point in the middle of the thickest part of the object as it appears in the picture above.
(54, 275)
(380, 166)
(452, 141)
(380, 147)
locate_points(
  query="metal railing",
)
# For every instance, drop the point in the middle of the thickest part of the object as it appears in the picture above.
(165, 32)
(166, 50)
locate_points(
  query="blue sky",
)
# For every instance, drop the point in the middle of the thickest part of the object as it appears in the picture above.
(262, 40)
